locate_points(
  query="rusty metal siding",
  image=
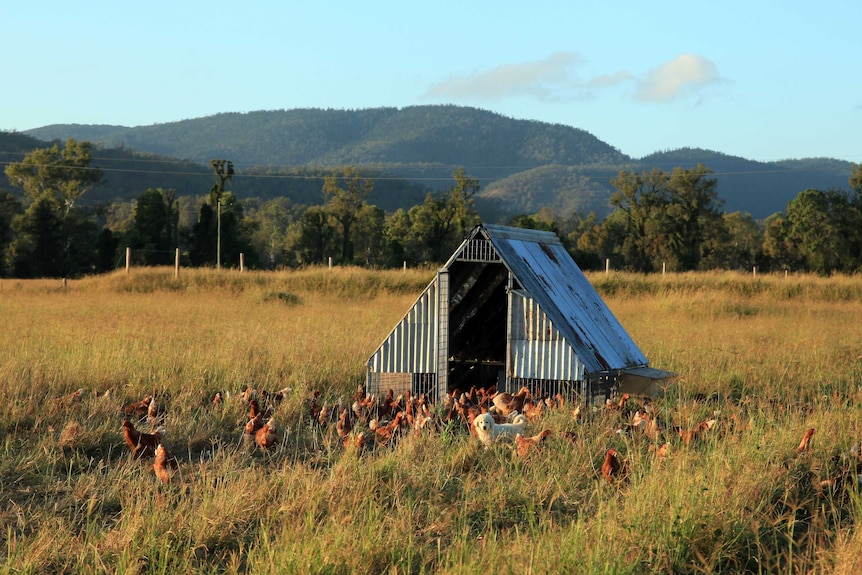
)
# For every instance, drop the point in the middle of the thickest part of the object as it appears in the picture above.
(412, 346)
(537, 350)
(546, 271)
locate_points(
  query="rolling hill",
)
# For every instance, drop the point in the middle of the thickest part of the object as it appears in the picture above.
(523, 165)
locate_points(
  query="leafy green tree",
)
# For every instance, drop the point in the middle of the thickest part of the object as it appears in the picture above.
(824, 230)
(82, 236)
(440, 223)
(9, 208)
(582, 236)
(63, 174)
(311, 238)
(154, 226)
(62, 242)
(46, 244)
(203, 239)
(398, 237)
(778, 251)
(533, 222)
(692, 214)
(597, 243)
(667, 218)
(737, 244)
(271, 221)
(120, 217)
(345, 203)
(641, 199)
(234, 237)
(220, 234)
(368, 237)
(856, 182)
(856, 189)
(107, 246)
(39, 245)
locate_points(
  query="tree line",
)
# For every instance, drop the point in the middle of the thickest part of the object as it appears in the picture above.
(660, 221)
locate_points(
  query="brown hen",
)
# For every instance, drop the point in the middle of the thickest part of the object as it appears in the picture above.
(266, 436)
(805, 444)
(385, 434)
(138, 408)
(526, 444)
(612, 469)
(506, 403)
(142, 444)
(164, 464)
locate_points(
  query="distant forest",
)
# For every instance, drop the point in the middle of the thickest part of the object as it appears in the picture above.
(386, 187)
(660, 220)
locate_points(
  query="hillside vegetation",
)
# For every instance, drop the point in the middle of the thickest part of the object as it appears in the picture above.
(561, 167)
(765, 357)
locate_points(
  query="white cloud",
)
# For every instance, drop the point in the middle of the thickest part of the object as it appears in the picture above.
(556, 79)
(552, 78)
(685, 74)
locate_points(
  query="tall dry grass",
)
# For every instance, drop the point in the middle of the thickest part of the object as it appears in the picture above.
(778, 354)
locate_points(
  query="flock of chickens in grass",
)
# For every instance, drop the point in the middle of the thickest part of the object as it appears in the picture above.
(371, 422)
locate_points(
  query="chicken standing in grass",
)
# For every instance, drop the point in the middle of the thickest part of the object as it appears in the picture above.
(506, 403)
(661, 451)
(526, 444)
(164, 464)
(344, 425)
(387, 433)
(266, 436)
(611, 406)
(534, 411)
(155, 415)
(323, 416)
(613, 470)
(252, 426)
(805, 444)
(142, 444)
(138, 408)
(361, 442)
(697, 432)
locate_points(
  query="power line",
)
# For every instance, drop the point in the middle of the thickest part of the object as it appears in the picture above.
(508, 170)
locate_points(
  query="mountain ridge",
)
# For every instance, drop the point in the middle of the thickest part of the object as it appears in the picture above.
(523, 165)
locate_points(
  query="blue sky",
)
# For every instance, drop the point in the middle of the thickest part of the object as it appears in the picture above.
(763, 80)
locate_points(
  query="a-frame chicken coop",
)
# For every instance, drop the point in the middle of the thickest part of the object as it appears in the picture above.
(512, 309)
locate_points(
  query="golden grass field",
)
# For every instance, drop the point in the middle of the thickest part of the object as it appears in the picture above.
(778, 354)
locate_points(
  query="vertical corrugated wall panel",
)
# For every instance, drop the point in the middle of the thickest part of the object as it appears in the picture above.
(410, 347)
(538, 350)
(442, 355)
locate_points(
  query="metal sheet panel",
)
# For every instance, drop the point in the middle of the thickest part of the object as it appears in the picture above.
(411, 347)
(543, 267)
(537, 350)
(442, 334)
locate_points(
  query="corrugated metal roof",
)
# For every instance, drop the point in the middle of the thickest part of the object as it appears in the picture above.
(541, 264)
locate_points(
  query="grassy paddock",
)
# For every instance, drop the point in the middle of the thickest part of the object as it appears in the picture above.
(780, 355)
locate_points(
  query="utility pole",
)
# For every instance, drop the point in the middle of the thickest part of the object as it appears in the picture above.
(223, 170)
